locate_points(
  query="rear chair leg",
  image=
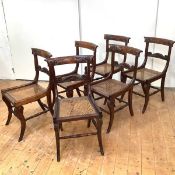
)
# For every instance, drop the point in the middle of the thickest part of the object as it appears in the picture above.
(41, 105)
(69, 93)
(89, 123)
(162, 88)
(78, 92)
(123, 79)
(130, 102)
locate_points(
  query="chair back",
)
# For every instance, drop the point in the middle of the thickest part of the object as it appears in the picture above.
(81, 45)
(126, 66)
(42, 54)
(53, 63)
(159, 55)
(115, 39)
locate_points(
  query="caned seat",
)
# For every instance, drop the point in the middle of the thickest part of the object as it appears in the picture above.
(75, 79)
(145, 73)
(146, 76)
(26, 94)
(73, 108)
(76, 106)
(17, 97)
(112, 89)
(109, 87)
(104, 68)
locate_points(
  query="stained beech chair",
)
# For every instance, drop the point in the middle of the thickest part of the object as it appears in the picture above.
(147, 76)
(104, 68)
(17, 97)
(74, 108)
(112, 89)
(74, 76)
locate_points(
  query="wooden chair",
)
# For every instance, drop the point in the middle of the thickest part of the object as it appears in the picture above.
(74, 76)
(104, 68)
(74, 108)
(16, 97)
(147, 76)
(112, 89)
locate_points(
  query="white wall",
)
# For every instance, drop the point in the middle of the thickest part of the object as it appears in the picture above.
(135, 19)
(52, 25)
(5, 56)
(166, 29)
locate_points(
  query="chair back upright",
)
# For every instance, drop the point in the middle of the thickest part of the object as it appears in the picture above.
(42, 54)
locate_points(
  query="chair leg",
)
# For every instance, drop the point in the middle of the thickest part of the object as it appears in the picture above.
(99, 126)
(105, 101)
(57, 137)
(146, 88)
(50, 103)
(41, 105)
(69, 93)
(130, 102)
(85, 91)
(111, 104)
(123, 80)
(89, 123)
(18, 111)
(78, 92)
(61, 126)
(9, 117)
(162, 88)
(9, 110)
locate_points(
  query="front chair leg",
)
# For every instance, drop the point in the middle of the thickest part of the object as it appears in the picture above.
(162, 88)
(57, 137)
(130, 101)
(18, 111)
(99, 126)
(9, 110)
(50, 103)
(111, 104)
(146, 88)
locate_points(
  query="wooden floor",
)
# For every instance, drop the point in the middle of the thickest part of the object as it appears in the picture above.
(139, 145)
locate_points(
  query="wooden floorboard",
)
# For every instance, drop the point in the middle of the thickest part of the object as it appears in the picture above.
(140, 145)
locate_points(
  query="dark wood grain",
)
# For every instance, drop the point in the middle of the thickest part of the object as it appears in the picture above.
(111, 89)
(16, 97)
(104, 68)
(77, 108)
(70, 86)
(146, 76)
